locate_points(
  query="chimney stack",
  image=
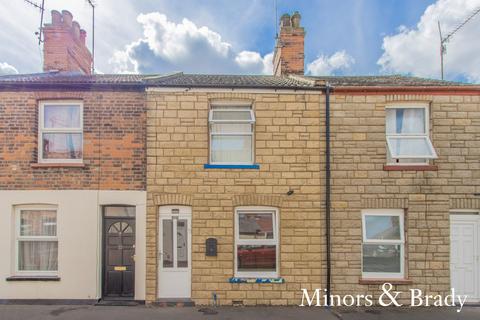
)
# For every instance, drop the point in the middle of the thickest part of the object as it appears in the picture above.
(64, 46)
(289, 56)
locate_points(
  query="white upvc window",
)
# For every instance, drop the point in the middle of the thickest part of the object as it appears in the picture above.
(231, 134)
(256, 242)
(36, 241)
(383, 246)
(407, 133)
(60, 133)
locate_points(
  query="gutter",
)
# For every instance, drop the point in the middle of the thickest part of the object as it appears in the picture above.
(328, 191)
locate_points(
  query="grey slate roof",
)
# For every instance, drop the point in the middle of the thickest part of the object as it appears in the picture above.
(227, 81)
(72, 79)
(383, 81)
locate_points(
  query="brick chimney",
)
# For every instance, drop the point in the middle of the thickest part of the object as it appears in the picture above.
(289, 56)
(64, 46)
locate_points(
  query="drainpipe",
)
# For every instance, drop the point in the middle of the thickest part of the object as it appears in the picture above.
(327, 188)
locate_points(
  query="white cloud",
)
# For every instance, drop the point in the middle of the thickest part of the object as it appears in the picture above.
(251, 60)
(416, 50)
(167, 46)
(327, 65)
(5, 69)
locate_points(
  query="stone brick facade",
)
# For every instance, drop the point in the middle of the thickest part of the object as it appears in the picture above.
(359, 181)
(289, 147)
(288, 144)
(113, 140)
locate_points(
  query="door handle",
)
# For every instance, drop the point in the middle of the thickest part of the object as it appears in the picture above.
(134, 257)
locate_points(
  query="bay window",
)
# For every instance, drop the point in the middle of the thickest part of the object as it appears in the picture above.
(256, 242)
(60, 135)
(36, 240)
(383, 244)
(231, 134)
(407, 133)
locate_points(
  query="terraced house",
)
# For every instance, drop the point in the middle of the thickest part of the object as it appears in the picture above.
(246, 189)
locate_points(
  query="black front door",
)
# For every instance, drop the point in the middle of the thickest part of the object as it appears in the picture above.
(119, 258)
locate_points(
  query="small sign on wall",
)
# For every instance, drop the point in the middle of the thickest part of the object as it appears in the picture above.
(211, 247)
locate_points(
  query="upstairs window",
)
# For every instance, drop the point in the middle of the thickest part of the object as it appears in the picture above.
(60, 132)
(231, 134)
(407, 131)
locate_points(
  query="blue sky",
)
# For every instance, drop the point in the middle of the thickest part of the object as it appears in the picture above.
(344, 37)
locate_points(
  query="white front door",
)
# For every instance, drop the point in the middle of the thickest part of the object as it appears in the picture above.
(465, 255)
(174, 252)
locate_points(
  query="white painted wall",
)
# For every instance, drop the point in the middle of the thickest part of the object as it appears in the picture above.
(79, 220)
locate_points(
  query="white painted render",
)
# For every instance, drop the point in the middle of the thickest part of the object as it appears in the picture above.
(79, 219)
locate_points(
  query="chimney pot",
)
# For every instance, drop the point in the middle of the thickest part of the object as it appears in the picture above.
(83, 36)
(76, 30)
(67, 18)
(285, 20)
(56, 17)
(296, 17)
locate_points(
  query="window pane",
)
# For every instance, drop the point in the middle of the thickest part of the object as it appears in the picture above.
(182, 243)
(231, 115)
(167, 231)
(256, 258)
(405, 121)
(37, 255)
(38, 223)
(382, 258)
(62, 145)
(61, 116)
(231, 149)
(119, 211)
(231, 127)
(419, 147)
(255, 225)
(382, 227)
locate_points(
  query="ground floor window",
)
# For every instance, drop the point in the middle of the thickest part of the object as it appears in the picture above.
(36, 240)
(383, 243)
(256, 242)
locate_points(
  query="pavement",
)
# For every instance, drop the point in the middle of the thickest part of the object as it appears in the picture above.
(70, 312)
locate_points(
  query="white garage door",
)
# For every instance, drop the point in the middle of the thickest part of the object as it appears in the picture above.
(465, 255)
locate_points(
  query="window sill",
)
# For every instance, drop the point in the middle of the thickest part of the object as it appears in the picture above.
(33, 278)
(231, 166)
(256, 280)
(395, 167)
(57, 165)
(382, 281)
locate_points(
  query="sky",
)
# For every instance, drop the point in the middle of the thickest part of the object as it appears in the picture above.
(343, 37)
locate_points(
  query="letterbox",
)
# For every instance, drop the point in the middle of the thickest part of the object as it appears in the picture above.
(211, 247)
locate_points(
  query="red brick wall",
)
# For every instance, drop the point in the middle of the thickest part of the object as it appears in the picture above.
(113, 143)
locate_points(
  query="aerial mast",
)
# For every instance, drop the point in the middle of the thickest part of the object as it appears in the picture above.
(444, 40)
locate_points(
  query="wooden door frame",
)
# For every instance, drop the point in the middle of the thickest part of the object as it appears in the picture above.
(104, 251)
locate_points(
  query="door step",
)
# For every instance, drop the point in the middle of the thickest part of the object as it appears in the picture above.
(119, 303)
(174, 302)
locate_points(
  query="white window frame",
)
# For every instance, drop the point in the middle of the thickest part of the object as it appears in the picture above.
(275, 241)
(385, 212)
(42, 129)
(239, 107)
(422, 160)
(19, 238)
